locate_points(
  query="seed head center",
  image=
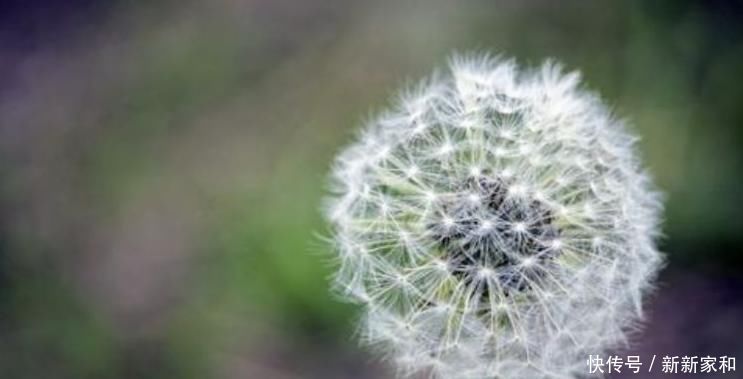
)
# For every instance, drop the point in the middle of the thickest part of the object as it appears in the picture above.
(503, 241)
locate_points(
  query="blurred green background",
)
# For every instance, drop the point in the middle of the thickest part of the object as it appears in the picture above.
(162, 166)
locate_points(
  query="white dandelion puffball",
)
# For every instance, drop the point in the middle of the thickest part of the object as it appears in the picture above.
(495, 224)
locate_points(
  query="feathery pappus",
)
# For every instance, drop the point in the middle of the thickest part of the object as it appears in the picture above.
(495, 223)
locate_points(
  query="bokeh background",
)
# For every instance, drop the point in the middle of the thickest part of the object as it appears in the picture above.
(162, 166)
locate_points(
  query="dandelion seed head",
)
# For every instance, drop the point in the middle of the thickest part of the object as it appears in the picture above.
(477, 218)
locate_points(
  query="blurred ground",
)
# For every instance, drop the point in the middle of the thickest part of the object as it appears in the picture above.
(162, 167)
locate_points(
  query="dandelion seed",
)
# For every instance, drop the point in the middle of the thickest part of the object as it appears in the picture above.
(412, 171)
(430, 196)
(486, 226)
(556, 244)
(447, 221)
(519, 227)
(462, 224)
(473, 198)
(484, 272)
(527, 262)
(446, 149)
(475, 171)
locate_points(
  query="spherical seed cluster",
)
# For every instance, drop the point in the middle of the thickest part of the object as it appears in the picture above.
(496, 224)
